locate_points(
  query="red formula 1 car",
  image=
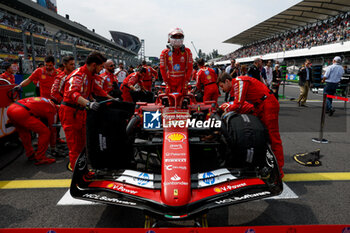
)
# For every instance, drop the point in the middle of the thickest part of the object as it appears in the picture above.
(174, 159)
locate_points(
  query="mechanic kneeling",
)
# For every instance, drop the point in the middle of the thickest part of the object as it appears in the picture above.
(28, 115)
(266, 107)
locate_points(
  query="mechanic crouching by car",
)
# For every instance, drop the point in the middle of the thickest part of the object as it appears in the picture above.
(78, 90)
(176, 63)
(207, 77)
(265, 106)
(32, 114)
(129, 83)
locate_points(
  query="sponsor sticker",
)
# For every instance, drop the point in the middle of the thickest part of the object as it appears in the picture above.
(176, 146)
(105, 198)
(176, 192)
(206, 72)
(182, 59)
(176, 160)
(175, 154)
(229, 187)
(247, 196)
(176, 137)
(143, 179)
(209, 178)
(177, 67)
(121, 188)
(171, 167)
(151, 120)
(175, 178)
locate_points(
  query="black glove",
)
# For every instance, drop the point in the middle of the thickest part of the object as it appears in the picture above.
(92, 106)
(17, 88)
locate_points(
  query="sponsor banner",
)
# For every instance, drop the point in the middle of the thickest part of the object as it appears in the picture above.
(214, 177)
(240, 229)
(10, 28)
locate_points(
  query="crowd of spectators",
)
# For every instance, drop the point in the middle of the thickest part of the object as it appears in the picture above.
(332, 30)
(16, 21)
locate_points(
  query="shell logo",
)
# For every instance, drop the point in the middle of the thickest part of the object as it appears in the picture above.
(110, 185)
(176, 137)
(43, 76)
(36, 99)
(208, 77)
(217, 190)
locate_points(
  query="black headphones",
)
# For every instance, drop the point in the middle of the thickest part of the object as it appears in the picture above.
(169, 46)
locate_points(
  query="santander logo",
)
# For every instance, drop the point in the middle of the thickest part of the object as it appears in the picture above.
(175, 178)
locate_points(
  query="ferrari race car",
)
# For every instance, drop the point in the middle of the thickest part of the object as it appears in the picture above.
(175, 158)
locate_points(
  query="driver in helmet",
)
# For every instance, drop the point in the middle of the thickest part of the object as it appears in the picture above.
(176, 62)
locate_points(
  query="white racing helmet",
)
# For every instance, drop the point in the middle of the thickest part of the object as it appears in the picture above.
(176, 37)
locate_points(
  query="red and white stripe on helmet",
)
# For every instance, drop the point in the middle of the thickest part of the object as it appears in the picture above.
(175, 31)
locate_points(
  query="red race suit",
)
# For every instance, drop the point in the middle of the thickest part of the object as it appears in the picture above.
(208, 78)
(266, 107)
(81, 82)
(107, 81)
(147, 80)
(176, 68)
(25, 114)
(45, 80)
(132, 79)
(9, 77)
(57, 89)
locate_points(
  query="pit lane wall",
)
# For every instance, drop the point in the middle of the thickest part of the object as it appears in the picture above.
(246, 229)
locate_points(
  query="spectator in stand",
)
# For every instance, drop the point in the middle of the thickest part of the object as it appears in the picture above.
(44, 76)
(8, 74)
(305, 80)
(332, 77)
(121, 74)
(255, 70)
(276, 80)
(269, 75)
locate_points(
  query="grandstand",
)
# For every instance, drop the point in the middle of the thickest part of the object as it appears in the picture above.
(31, 31)
(314, 29)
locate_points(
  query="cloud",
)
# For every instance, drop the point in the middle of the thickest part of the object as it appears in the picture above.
(205, 23)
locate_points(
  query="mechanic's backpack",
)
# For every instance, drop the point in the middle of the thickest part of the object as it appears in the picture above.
(107, 143)
(247, 139)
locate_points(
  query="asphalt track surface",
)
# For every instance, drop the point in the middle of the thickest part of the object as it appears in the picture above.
(32, 196)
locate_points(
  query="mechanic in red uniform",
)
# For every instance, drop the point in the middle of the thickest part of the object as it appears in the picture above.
(79, 86)
(150, 76)
(266, 107)
(108, 77)
(130, 82)
(207, 77)
(8, 74)
(26, 115)
(57, 89)
(176, 62)
(45, 76)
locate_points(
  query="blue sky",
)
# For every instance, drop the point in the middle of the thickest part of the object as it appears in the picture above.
(207, 23)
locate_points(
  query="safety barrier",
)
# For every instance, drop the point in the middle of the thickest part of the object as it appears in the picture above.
(320, 139)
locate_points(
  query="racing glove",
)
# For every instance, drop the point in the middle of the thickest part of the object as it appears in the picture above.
(92, 106)
(17, 88)
(224, 107)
